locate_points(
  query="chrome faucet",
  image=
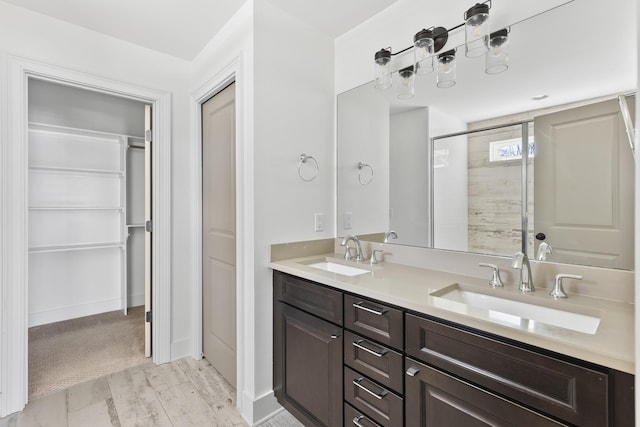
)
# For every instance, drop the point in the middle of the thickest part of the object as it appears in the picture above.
(356, 241)
(543, 250)
(390, 235)
(521, 262)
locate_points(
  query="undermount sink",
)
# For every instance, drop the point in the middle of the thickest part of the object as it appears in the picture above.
(335, 266)
(507, 309)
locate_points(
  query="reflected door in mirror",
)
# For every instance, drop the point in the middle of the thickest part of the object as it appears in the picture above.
(584, 188)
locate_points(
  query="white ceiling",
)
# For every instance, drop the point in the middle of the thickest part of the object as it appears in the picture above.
(181, 28)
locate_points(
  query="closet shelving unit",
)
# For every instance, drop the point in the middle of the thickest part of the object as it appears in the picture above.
(77, 222)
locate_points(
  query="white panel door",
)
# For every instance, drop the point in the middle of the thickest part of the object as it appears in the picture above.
(219, 232)
(584, 186)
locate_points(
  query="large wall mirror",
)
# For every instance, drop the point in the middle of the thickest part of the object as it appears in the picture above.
(536, 158)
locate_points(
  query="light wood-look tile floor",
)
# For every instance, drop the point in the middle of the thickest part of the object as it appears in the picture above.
(183, 393)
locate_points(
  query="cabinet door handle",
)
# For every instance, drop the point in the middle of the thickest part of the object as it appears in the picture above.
(356, 421)
(357, 344)
(378, 396)
(412, 371)
(360, 306)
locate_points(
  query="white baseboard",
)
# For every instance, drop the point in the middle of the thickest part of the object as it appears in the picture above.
(180, 348)
(72, 312)
(256, 411)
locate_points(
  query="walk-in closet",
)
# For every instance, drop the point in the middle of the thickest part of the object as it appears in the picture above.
(86, 184)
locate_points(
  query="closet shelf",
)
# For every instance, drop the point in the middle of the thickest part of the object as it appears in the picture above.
(135, 225)
(78, 131)
(75, 247)
(75, 170)
(77, 208)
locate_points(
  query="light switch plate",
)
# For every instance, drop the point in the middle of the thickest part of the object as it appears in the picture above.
(318, 221)
(347, 220)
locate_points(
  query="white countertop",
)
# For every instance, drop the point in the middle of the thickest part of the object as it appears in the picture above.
(612, 345)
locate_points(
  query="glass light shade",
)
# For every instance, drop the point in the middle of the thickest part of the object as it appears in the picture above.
(423, 52)
(446, 69)
(406, 89)
(476, 30)
(497, 59)
(382, 69)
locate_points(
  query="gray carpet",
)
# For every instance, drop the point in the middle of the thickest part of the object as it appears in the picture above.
(65, 353)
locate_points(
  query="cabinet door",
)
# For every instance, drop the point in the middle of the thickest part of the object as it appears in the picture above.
(308, 366)
(435, 399)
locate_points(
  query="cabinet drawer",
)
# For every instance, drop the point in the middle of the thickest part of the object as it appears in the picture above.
(570, 392)
(374, 320)
(375, 361)
(308, 296)
(355, 418)
(376, 402)
(435, 399)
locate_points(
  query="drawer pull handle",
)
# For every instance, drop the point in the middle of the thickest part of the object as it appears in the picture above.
(357, 344)
(334, 336)
(360, 306)
(378, 396)
(356, 421)
(412, 371)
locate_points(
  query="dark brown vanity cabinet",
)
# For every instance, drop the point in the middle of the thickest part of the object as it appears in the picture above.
(308, 351)
(345, 360)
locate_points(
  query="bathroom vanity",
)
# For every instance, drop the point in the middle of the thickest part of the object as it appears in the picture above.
(379, 348)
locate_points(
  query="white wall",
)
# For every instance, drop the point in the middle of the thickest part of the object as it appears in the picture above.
(294, 113)
(409, 179)
(363, 121)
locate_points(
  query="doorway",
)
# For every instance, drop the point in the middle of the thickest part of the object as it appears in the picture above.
(219, 232)
(13, 282)
(88, 202)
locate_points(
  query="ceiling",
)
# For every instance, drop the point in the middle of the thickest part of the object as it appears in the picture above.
(182, 28)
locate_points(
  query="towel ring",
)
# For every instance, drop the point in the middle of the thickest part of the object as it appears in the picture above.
(303, 159)
(360, 167)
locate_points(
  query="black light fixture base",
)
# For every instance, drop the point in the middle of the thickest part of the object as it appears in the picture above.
(440, 37)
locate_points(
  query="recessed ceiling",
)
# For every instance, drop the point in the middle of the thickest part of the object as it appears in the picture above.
(182, 28)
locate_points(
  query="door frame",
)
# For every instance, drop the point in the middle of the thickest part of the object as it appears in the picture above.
(14, 74)
(244, 253)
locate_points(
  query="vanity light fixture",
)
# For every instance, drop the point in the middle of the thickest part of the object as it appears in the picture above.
(383, 69)
(406, 90)
(497, 59)
(446, 69)
(476, 30)
(428, 42)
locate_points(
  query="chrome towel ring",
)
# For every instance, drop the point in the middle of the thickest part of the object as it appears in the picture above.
(303, 159)
(364, 181)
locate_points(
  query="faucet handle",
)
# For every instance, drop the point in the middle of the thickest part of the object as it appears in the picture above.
(495, 281)
(558, 291)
